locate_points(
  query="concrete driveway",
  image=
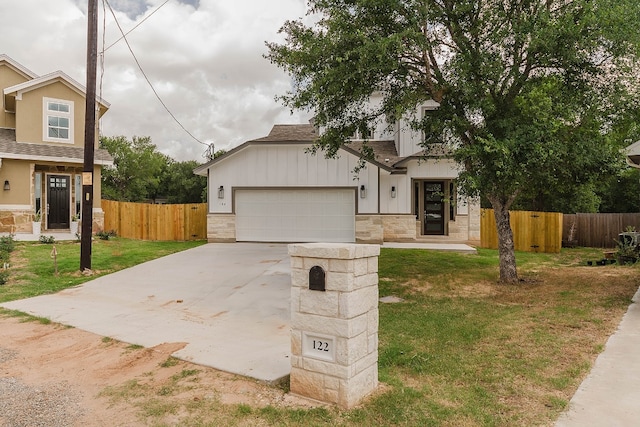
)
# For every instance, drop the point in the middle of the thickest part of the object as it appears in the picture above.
(228, 302)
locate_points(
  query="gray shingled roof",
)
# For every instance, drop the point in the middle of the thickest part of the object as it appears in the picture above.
(386, 155)
(385, 151)
(285, 133)
(9, 148)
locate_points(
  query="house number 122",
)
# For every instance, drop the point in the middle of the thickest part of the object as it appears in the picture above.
(320, 345)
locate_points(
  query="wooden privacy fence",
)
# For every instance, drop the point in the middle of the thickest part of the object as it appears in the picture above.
(145, 221)
(532, 231)
(598, 230)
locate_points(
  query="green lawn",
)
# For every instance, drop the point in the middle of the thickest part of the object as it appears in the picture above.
(460, 350)
(32, 270)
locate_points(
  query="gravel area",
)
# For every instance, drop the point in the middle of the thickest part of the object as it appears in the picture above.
(49, 405)
(6, 354)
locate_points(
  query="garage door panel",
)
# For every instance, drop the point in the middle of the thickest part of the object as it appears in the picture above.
(313, 215)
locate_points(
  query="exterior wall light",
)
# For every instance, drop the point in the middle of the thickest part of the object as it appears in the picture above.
(221, 192)
(393, 191)
(6, 185)
(363, 192)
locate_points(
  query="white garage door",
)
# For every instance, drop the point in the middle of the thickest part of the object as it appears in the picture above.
(310, 215)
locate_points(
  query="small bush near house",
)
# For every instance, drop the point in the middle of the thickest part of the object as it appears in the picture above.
(7, 244)
(47, 239)
(106, 235)
(4, 277)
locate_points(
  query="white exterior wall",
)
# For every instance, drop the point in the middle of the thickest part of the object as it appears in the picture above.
(408, 141)
(281, 166)
(401, 204)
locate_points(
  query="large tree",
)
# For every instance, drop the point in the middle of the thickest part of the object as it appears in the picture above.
(528, 89)
(137, 171)
(180, 185)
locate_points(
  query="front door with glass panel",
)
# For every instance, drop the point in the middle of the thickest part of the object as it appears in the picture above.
(433, 219)
(58, 201)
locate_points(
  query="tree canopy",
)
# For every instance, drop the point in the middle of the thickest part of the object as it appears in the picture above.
(140, 173)
(533, 94)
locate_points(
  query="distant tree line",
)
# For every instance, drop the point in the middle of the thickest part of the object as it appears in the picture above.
(141, 173)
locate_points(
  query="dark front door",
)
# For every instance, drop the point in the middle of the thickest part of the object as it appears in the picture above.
(433, 208)
(58, 201)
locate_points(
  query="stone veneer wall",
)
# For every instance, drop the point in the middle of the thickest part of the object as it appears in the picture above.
(459, 229)
(98, 221)
(221, 228)
(474, 220)
(369, 229)
(344, 316)
(399, 228)
(16, 221)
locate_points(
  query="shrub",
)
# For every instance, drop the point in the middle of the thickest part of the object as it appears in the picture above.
(7, 243)
(106, 235)
(4, 276)
(47, 239)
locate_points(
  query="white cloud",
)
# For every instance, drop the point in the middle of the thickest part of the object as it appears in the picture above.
(203, 57)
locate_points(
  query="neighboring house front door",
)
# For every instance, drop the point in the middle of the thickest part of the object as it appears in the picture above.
(58, 201)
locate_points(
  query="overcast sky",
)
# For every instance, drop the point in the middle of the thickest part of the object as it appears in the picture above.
(204, 58)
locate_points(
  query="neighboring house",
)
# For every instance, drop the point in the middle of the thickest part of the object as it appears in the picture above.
(42, 149)
(271, 189)
(633, 154)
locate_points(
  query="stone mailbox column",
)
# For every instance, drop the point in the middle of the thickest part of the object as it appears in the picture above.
(334, 321)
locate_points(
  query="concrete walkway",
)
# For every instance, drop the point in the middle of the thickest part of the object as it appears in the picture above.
(446, 247)
(28, 237)
(610, 395)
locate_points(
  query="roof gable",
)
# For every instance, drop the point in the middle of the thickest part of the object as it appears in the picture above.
(15, 66)
(57, 76)
(385, 152)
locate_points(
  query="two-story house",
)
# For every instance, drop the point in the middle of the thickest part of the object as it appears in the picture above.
(42, 149)
(272, 190)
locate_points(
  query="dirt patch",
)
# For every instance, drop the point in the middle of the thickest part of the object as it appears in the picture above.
(103, 382)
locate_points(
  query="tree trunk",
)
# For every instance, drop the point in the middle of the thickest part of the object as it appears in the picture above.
(506, 251)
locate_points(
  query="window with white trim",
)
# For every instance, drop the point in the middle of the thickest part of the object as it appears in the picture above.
(58, 120)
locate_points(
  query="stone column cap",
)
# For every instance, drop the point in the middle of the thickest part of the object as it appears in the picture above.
(333, 250)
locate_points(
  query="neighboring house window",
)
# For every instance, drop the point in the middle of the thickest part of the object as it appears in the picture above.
(38, 192)
(78, 194)
(58, 120)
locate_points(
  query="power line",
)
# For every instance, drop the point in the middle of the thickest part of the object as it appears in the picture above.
(124, 37)
(104, 49)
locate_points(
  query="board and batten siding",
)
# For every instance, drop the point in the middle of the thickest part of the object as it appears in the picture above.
(288, 165)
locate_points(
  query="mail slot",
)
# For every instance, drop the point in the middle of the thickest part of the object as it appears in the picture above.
(317, 278)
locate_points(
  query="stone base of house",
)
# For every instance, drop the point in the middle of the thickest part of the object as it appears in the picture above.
(20, 221)
(221, 228)
(399, 228)
(474, 221)
(98, 220)
(369, 229)
(16, 221)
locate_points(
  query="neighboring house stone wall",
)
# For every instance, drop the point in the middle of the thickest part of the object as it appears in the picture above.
(399, 228)
(98, 220)
(369, 229)
(15, 221)
(221, 228)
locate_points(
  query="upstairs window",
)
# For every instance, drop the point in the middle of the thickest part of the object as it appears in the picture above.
(365, 133)
(58, 120)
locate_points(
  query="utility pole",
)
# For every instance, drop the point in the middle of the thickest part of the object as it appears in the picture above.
(89, 137)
